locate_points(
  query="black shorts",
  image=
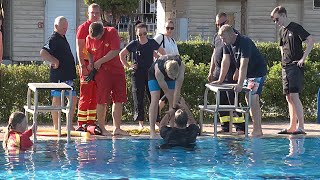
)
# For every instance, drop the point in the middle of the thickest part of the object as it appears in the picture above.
(292, 79)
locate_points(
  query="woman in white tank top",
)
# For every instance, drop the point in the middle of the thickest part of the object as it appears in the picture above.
(166, 41)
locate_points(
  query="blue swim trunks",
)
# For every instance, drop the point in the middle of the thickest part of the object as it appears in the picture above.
(154, 85)
(57, 93)
(255, 84)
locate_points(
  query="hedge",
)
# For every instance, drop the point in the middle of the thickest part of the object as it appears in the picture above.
(14, 80)
(200, 51)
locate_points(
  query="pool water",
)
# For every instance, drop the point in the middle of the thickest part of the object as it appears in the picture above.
(212, 158)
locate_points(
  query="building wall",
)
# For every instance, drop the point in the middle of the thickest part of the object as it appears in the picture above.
(311, 19)
(260, 27)
(201, 15)
(255, 22)
(232, 9)
(6, 31)
(82, 12)
(27, 37)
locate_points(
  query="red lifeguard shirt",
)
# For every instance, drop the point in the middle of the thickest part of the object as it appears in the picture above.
(110, 40)
(20, 140)
(82, 33)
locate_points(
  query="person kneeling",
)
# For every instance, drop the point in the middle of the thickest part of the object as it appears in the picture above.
(180, 134)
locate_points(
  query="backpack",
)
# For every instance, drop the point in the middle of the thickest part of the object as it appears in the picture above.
(162, 42)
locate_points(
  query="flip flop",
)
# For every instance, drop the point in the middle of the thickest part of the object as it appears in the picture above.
(284, 131)
(299, 131)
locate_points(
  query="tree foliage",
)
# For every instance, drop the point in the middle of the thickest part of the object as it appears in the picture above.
(112, 10)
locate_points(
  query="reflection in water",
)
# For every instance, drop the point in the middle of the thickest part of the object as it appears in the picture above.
(52, 154)
(22, 161)
(296, 149)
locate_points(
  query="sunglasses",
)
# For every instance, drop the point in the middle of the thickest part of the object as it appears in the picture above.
(172, 28)
(142, 34)
(221, 24)
(275, 20)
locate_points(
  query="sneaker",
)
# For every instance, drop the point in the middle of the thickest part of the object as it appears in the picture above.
(80, 128)
(94, 130)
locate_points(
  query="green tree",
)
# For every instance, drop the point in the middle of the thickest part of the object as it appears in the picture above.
(113, 9)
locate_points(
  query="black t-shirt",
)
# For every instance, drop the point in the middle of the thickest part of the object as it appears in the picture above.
(180, 137)
(143, 53)
(291, 38)
(244, 47)
(59, 48)
(218, 54)
(161, 61)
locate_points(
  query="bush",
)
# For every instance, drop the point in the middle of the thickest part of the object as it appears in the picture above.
(14, 85)
(274, 101)
(199, 51)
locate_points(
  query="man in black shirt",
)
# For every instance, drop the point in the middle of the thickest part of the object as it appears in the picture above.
(226, 98)
(63, 70)
(180, 134)
(291, 37)
(252, 69)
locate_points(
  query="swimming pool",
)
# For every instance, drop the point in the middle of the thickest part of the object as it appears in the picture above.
(213, 158)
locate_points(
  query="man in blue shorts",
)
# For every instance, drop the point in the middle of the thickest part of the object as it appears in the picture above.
(63, 70)
(252, 69)
(291, 37)
(166, 73)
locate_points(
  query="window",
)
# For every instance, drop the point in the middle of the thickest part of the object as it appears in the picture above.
(316, 4)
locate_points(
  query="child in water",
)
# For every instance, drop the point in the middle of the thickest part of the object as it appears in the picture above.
(17, 135)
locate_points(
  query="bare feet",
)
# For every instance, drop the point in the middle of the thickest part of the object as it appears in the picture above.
(291, 130)
(141, 127)
(256, 134)
(240, 132)
(120, 132)
(104, 132)
(155, 136)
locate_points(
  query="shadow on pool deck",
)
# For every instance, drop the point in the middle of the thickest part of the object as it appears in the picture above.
(269, 130)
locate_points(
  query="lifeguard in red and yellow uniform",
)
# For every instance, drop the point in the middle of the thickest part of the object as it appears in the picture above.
(87, 102)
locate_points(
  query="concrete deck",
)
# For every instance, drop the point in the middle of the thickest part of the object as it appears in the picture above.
(269, 130)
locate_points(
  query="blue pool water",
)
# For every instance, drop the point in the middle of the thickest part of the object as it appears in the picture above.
(212, 158)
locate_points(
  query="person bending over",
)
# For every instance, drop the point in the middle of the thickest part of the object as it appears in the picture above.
(166, 73)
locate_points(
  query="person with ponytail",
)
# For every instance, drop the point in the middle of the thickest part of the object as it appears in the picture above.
(17, 135)
(143, 49)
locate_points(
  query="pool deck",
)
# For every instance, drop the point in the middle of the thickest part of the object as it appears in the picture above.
(269, 130)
